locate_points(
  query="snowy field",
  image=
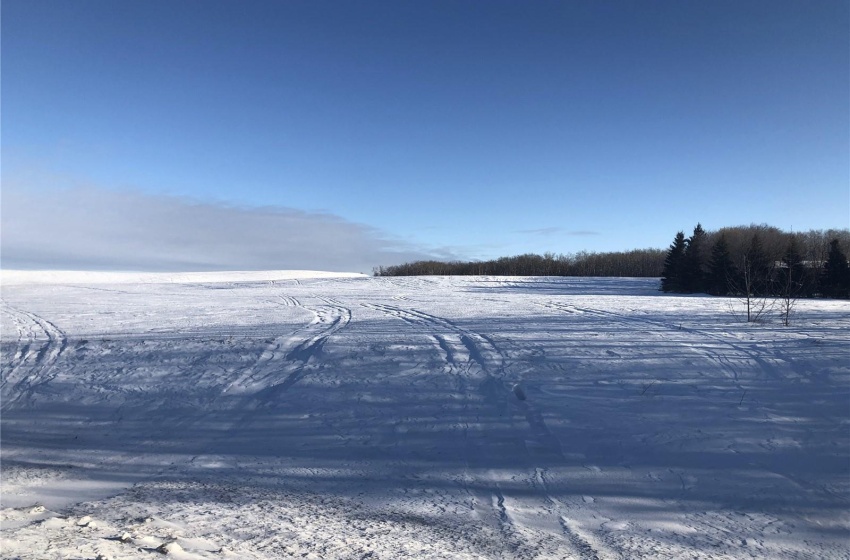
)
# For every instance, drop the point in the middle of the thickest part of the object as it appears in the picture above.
(296, 416)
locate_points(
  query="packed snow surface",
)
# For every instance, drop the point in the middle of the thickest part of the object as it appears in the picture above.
(312, 416)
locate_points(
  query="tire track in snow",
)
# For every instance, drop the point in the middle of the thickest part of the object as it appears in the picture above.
(721, 361)
(409, 283)
(481, 349)
(283, 363)
(257, 383)
(292, 349)
(40, 364)
(713, 354)
(589, 547)
(328, 319)
(468, 355)
(543, 449)
(289, 301)
(9, 367)
(465, 361)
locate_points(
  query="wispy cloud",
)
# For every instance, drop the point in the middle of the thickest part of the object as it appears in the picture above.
(548, 231)
(100, 229)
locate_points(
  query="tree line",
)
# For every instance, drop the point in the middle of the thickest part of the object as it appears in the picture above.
(647, 263)
(758, 261)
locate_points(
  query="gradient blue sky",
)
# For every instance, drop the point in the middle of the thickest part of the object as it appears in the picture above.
(465, 129)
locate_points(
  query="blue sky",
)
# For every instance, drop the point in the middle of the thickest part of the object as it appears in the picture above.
(456, 129)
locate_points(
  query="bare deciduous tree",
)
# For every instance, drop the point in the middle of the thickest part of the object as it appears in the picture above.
(752, 282)
(791, 279)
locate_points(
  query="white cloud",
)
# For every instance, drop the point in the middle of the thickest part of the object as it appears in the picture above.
(98, 229)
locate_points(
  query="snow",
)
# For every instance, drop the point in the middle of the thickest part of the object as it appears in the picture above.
(318, 415)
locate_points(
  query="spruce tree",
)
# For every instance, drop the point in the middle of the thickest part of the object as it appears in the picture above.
(671, 276)
(693, 277)
(794, 270)
(721, 269)
(835, 279)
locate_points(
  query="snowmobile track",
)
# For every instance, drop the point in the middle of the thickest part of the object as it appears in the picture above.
(40, 370)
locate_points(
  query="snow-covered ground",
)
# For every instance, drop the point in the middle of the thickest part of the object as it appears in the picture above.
(283, 416)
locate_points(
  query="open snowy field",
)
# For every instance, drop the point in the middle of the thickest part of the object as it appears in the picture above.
(272, 416)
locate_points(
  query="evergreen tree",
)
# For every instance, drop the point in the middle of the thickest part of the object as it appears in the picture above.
(794, 270)
(721, 269)
(835, 279)
(671, 276)
(693, 276)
